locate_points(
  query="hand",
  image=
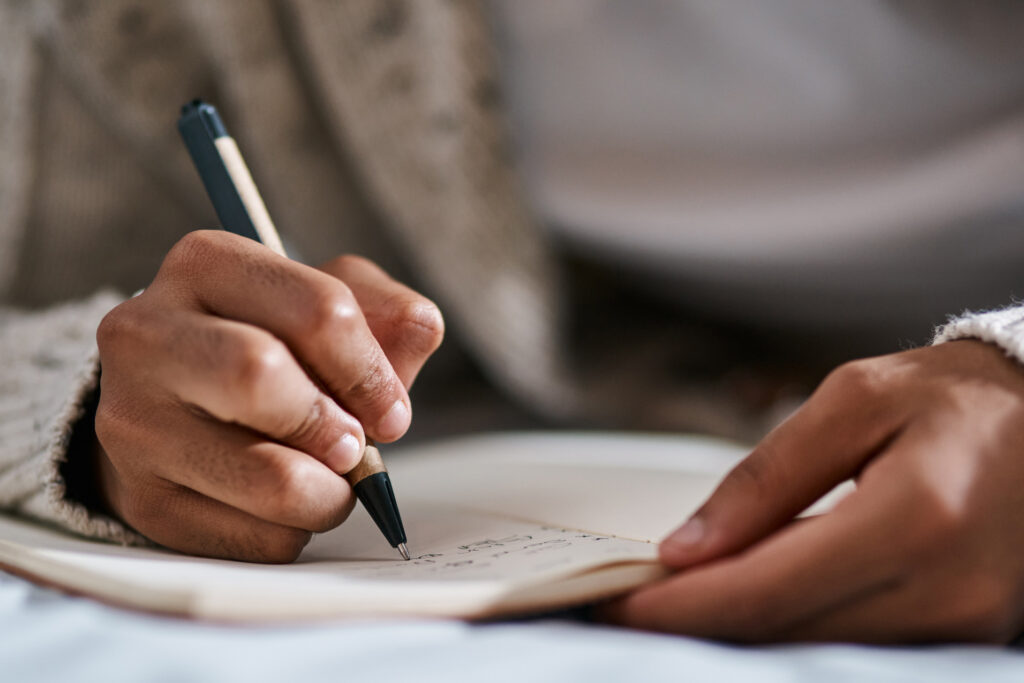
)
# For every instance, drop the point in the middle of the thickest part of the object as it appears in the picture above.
(234, 388)
(930, 547)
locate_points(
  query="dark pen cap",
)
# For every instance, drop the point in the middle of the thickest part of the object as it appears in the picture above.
(203, 113)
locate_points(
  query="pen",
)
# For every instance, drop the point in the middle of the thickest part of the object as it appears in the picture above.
(241, 211)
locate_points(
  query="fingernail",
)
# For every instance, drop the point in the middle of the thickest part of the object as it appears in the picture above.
(688, 535)
(344, 454)
(395, 422)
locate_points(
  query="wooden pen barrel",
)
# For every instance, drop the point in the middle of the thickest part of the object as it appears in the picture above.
(371, 463)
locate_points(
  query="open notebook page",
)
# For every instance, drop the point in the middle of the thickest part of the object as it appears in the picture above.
(464, 563)
(491, 521)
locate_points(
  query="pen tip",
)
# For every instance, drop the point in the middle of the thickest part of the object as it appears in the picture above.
(405, 551)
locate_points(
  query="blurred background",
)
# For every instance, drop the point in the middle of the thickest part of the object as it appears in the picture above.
(768, 188)
(784, 185)
(734, 195)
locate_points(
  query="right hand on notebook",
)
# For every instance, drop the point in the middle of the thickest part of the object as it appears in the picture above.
(212, 437)
(930, 546)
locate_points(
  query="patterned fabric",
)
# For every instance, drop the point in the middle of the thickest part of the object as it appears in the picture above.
(48, 370)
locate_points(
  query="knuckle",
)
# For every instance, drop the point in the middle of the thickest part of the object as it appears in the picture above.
(869, 378)
(107, 423)
(333, 311)
(347, 263)
(375, 389)
(291, 487)
(861, 377)
(109, 329)
(254, 366)
(420, 324)
(116, 427)
(192, 250)
(117, 326)
(351, 267)
(311, 426)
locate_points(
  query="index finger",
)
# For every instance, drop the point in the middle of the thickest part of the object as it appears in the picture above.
(845, 423)
(315, 314)
(800, 572)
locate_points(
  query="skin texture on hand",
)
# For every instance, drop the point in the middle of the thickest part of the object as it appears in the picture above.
(235, 390)
(929, 548)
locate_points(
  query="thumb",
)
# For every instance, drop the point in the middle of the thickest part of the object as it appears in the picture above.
(824, 443)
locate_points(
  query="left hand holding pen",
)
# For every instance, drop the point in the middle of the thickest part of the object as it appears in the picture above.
(930, 547)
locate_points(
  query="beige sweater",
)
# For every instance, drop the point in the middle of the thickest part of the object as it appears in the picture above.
(372, 126)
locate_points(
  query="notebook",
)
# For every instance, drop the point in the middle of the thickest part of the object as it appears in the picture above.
(498, 524)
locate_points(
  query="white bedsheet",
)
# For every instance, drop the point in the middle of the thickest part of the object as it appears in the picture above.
(45, 636)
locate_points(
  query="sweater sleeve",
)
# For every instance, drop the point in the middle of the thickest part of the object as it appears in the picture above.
(1003, 327)
(49, 371)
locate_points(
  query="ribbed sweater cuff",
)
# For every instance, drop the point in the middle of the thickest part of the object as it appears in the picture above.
(49, 368)
(1003, 327)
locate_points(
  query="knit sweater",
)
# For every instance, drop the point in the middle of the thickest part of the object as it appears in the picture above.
(376, 127)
